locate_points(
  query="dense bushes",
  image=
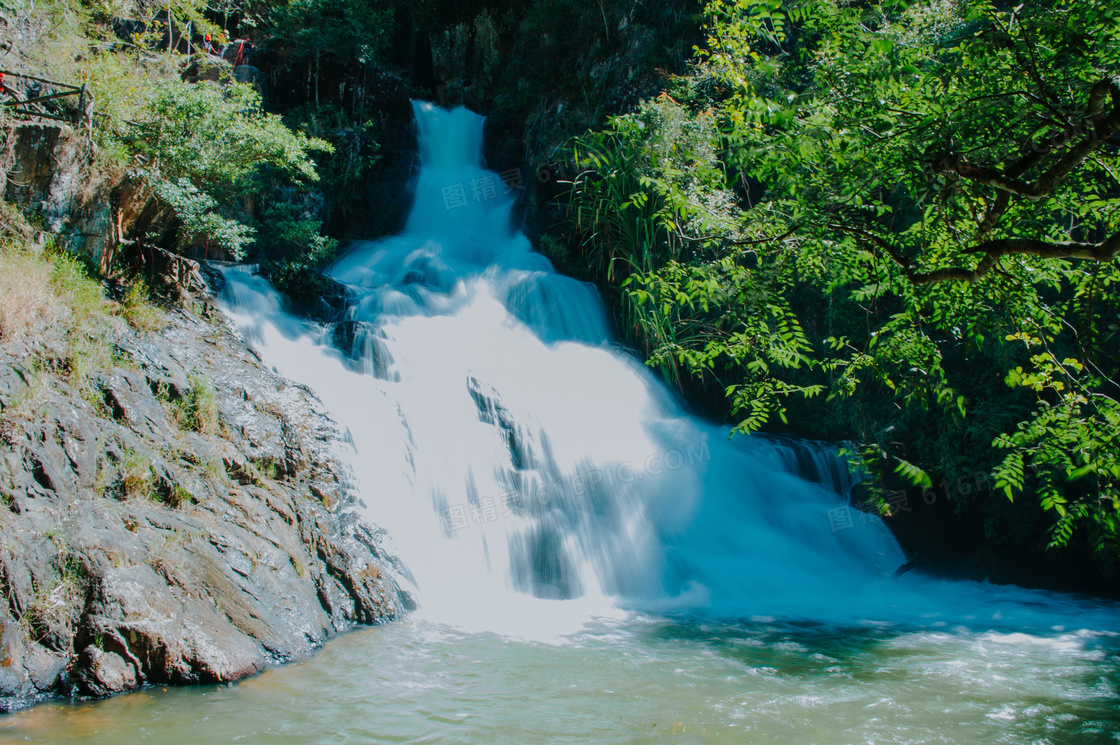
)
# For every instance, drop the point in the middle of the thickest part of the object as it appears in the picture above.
(891, 225)
(205, 150)
(202, 146)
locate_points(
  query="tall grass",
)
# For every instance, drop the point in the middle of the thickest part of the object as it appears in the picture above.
(50, 300)
(27, 299)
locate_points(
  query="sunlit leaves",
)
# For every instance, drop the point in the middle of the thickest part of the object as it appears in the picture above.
(217, 137)
(199, 144)
(1070, 444)
(840, 129)
(912, 474)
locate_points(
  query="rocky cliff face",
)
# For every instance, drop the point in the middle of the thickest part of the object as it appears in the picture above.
(180, 518)
(44, 168)
(83, 204)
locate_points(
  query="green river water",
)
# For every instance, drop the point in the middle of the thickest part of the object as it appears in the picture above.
(635, 680)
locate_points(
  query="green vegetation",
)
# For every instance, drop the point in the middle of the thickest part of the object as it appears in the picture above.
(204, 146)
(41, 289)
(137, 480)
(137, 309)
(201, 148)
(201, 407)
(292, 232)
(177, 496)
(891, 224)
(49, 294)
(349, 29)
(354, 153)
(57, 604)
(197, 410)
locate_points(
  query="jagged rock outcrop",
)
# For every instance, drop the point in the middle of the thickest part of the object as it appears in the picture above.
(45, 169)
(178, 518)
(85, 205)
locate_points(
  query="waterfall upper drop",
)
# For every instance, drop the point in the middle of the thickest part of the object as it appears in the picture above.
(461, 226)
(516, 458)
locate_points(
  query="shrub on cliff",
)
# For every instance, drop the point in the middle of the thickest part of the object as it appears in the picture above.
(201, 147)
(50, 302)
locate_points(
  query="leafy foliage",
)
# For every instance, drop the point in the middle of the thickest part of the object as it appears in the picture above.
(354, 153)
(196, 211)
(350, 29)
(201, 145)
(298, 236)
(217, 137)
(877, 214)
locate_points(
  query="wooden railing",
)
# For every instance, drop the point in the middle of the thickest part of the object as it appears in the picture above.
(12, 102)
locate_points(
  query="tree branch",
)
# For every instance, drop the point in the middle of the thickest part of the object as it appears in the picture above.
(1032, 70)
(995, 212)
(959, 274)
(882, 243)
(1106, 250)
(1103, 122)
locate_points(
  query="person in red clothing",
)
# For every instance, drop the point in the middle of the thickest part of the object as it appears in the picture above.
(206, 45)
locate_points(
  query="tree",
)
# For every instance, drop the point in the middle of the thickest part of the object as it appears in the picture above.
(917, 190)
(347, 29)
(202, 145)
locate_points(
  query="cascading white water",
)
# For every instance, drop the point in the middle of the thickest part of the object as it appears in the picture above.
(530, 474)
(533, 478)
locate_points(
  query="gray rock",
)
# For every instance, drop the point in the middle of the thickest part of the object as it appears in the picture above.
(129, 398)
(134, 551)
(13, 383)
(105, 673)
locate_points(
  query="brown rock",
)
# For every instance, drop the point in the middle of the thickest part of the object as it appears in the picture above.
(105, 673)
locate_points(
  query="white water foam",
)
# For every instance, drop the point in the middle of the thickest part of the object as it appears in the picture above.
(531, 475)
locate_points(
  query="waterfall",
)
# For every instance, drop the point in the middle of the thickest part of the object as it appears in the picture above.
(531, 473)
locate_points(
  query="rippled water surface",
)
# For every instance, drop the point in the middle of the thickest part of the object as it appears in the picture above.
(637, 680)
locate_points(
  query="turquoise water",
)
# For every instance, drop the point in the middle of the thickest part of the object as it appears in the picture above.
(636, 680)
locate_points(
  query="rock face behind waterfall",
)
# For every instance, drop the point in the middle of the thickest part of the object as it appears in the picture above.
(137, 549)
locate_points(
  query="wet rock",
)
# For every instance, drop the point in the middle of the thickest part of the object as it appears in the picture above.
(13, 382)
(105, 673)
(170, 638)
(363, 348)
(28, 671)
(134, 550)
(129, 398)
